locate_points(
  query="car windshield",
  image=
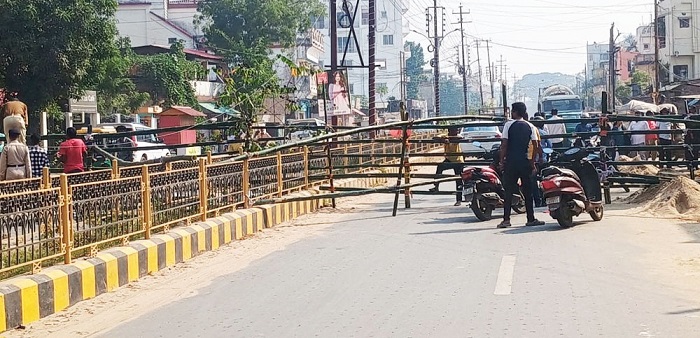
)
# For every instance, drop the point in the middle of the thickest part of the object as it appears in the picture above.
(562, 105)
(480, 128)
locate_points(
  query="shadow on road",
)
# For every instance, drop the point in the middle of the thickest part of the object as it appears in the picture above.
(453, 231)
(526, 230)
(683, 312)
(451, 220)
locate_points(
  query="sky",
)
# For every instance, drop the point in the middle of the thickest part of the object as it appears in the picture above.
(533, 36)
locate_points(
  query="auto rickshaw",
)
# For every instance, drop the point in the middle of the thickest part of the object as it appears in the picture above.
(98, 136)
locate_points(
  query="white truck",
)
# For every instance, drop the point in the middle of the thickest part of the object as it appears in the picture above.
(564, 100)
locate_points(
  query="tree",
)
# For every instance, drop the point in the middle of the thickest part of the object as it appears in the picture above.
(451, 96)
(382, 90)
(414, 69)
(116, 91)
(641, 78)
(623, 93)
(166, 77)
(50, 50)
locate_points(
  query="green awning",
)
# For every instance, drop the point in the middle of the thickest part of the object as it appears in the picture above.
(211, 107)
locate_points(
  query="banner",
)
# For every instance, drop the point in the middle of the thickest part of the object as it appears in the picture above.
(337, 91)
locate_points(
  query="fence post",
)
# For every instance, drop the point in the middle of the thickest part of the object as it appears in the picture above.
(46, 178)
(306, 167)
(66, 217)
(246, 183)
(115, 169)
(203, 188)
(168, 166)
(373, 159)
(146, 201)
(280, 175)
(209, 160)
(346, 159)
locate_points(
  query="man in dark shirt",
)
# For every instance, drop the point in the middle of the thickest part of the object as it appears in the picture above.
(518, 136)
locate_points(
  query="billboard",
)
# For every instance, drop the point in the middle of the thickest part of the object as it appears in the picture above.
(337, 93)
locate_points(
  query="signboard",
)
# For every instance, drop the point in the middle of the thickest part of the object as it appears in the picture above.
(86, 104)
(337, 92)
(78, 118)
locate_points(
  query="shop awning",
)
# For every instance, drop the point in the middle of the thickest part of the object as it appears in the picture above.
(211, 107)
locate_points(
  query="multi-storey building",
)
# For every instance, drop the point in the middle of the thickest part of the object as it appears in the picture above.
(679, 43)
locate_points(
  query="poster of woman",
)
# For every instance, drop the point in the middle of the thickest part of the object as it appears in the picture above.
(337, 92)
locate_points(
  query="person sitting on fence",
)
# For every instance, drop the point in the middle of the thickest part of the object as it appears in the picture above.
(72, 152)
(453, 161)
(37, 155)
(14, 161)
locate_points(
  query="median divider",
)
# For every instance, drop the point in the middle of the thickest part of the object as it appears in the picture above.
(26, 299)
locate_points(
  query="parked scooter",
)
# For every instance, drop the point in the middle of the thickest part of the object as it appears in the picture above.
(574, 190)
(482, 187)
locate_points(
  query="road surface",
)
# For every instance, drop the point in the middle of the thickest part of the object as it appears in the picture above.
(433, 271)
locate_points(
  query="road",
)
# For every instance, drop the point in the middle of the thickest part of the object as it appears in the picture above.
(433, 271)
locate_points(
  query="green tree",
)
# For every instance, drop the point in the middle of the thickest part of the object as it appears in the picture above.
(414, 69)
(451, 96)
(382, 90)
(116, 91)
(166, 77)
(51, 50)
(641, 78)
(623, 93)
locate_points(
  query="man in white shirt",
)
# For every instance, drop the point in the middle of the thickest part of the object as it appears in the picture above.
(638, 140)
(665, 139)
(556, 129)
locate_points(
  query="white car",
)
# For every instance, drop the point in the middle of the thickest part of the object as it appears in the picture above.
(142, 141)
(300, 132)
(483, 134)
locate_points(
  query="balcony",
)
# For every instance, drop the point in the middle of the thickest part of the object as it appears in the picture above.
(183, 3)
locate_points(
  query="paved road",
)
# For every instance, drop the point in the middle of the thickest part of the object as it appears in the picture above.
(434, 271)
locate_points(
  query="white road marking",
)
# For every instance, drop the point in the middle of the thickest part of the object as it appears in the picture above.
(505, 276)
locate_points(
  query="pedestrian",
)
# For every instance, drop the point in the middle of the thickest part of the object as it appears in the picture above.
(14, 161)
(637, 139)
(665, 139)
(652, 138)
(540, 158)
(518, 136)
(37, 155)
(556, 129)
(72, 152)
(584, 127)
(15, 107)
(453, 161)
(15, 117)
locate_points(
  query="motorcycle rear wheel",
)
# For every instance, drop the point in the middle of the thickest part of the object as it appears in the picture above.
(565, 217)
(520, 207)
(483, 211)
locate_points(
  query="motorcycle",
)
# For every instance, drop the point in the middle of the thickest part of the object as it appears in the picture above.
(571, 191)
(482, 187)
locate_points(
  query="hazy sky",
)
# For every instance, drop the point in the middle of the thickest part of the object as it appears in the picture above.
(555, 32)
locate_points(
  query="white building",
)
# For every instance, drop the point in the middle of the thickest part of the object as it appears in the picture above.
(597, 64)
(679, 43)
(158, 22)
(391, 29)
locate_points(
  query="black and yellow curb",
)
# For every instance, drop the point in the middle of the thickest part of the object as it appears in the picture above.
(26, 299)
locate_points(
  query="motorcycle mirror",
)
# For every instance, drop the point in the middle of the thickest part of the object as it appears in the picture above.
(547, 151)
(476, 144)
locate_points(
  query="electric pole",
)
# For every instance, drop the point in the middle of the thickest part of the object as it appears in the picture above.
(334, 48)
(465, 62)
(657, 77)
(372, 64)
(612, 67)
(488, 56)
(437, 37)
(481, 85)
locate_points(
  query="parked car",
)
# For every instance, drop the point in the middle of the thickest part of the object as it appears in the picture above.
(142, 141)
(304, 129)
(483, 134)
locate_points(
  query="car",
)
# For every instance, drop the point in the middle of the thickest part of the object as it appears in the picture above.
(480, 133)
(305, 129)
(142, 141)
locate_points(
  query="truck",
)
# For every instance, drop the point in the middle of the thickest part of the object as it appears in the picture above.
(564, 100)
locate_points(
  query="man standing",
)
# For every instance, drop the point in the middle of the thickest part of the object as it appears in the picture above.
(14, 161)
(638, 140)
(38, 156)
(71, 152)
(15, 107)
(517, 164)
(453, 161)
(556, 129)
(665, 139)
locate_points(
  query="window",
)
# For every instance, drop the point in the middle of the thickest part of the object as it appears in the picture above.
(341, 45)
(661, 30)
(604, 57)
(590, 57)
(680, 72)
(319, 22)
(346, 63)
(388, 39)
(646, 46)
(172, 41)
(383, 14)
(684, 22)
(365, 17)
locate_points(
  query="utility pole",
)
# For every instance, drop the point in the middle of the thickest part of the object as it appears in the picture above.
(657, 77)
(334, 49)
(612, 67)
(481, 85)
(435, 62)
(372, 64)
(501, 64)
(402, 66)
(488, 56)
(465, 62)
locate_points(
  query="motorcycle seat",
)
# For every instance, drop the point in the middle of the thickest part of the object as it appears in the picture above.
(550, 171)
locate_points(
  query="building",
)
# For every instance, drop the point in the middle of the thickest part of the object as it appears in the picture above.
(391, 29)
(678, 41)
(159, 22)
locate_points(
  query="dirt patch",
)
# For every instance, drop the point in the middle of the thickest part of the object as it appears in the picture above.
(678, 198)
(638, 169)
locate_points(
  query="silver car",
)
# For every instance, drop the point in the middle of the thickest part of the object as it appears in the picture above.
(483, 134)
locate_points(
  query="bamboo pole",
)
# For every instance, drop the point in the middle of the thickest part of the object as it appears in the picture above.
(400, 174)
(330, 169)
